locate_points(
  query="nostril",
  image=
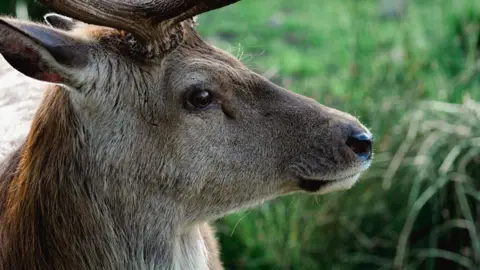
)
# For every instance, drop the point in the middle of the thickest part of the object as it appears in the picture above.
(361, 144)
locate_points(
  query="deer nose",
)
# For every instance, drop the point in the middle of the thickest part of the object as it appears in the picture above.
(361, 144)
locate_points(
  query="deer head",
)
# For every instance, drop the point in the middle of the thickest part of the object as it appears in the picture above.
(163, 128)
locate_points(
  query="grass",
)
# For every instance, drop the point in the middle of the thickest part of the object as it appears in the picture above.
(413, 79)
(417, 207)
(342, 54)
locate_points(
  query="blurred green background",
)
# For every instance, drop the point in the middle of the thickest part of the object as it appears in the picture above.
(410, 71)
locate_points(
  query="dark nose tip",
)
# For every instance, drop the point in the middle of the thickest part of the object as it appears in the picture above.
(361, 144)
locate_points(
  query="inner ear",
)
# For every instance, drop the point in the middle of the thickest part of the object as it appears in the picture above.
(59, 21)
(41, 52)
(39, 71)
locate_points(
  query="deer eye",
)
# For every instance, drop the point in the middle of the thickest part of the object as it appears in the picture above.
(199, 99)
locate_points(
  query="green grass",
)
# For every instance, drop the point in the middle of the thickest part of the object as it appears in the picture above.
(408, 212)
(342, 54)
(411, 80)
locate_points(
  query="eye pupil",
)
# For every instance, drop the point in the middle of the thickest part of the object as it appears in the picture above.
(200, 99)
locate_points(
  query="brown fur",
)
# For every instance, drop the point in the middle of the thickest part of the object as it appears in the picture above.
(35, 191)
(25, 219)
(114, 173)
(48, 145)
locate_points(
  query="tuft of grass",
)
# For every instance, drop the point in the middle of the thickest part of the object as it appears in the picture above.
(444, 196)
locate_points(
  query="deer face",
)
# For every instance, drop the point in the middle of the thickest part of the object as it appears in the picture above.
(185, 120)
(239, 138)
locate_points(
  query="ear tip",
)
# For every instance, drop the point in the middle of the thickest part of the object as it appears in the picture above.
(53, 15)
(47, 16)
(56, 20)
(50, 16)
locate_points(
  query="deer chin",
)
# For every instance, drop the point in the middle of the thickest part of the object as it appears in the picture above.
(322, 186)
(317, 184)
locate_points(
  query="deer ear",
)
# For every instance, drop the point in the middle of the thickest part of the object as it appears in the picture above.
(60, 22)
(41, 52)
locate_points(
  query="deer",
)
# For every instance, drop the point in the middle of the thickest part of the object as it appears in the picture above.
(146, 134)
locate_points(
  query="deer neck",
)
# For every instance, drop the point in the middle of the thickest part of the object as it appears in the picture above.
(57, 212)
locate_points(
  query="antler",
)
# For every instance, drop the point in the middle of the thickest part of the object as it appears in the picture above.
(146, 20)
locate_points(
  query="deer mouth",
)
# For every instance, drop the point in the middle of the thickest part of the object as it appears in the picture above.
(316, 185)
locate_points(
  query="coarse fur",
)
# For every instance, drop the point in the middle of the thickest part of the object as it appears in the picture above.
(118, 172)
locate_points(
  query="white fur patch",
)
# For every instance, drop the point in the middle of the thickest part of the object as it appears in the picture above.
(19, 98)
(190, 252)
